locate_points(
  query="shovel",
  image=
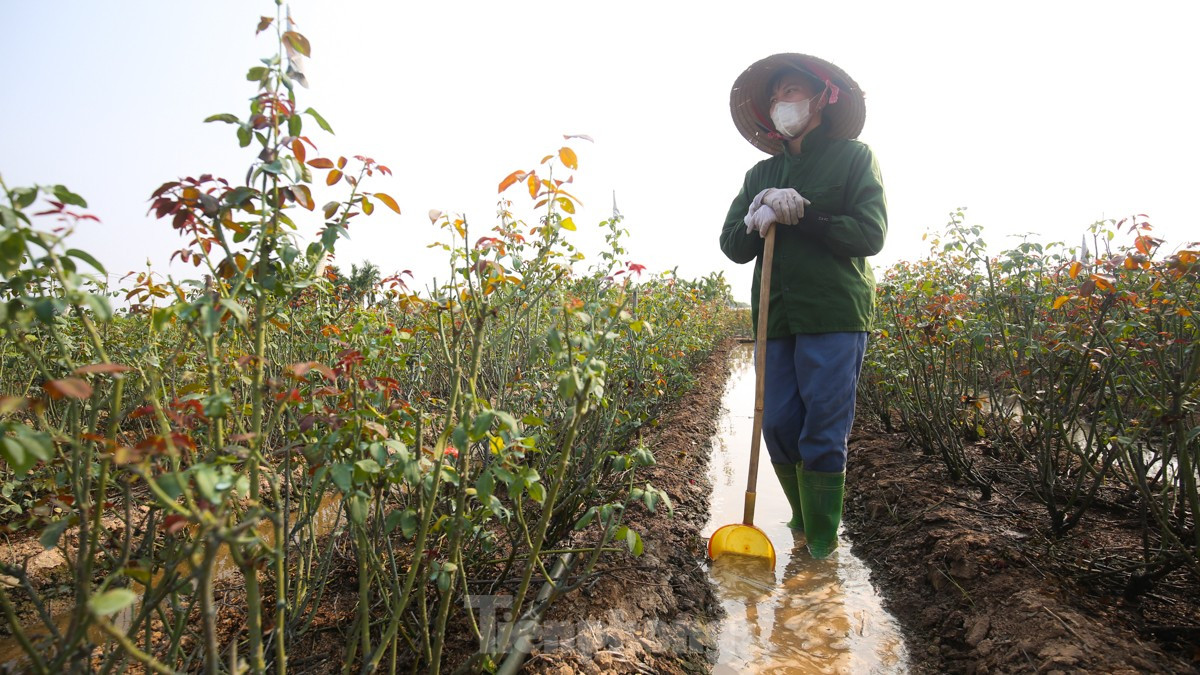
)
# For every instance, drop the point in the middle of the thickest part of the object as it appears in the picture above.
(744, 538)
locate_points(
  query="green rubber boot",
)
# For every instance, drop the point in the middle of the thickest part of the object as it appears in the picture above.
(789, 478)
(821, 499)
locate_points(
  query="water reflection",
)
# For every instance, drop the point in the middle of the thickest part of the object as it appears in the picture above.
(803, 615)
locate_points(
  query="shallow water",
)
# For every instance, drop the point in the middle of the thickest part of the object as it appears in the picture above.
(805, 615)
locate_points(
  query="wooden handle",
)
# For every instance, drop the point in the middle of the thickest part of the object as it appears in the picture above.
(760, 369)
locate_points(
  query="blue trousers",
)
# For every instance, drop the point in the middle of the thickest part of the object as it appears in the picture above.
(808, 403)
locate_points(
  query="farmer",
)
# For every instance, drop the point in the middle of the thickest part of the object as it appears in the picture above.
(823, 190)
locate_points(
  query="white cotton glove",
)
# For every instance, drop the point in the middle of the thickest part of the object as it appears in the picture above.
(787, 204)
(759, 219)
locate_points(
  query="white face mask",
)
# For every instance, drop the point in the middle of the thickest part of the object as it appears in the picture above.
(790, 117)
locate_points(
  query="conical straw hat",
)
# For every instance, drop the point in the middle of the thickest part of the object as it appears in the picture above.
(749, 101)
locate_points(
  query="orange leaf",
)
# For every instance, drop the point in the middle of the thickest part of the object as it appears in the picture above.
(1183, 311)
(533, 185)
(263, 24)
(105, 368)
(510, 179)
(298, 150)
(368, 207)
(388, 201)
(341, 162)
(1075, 269)
(568, 158)
(68, 387)
(1103, 281)
(321, 163)
(1061, 300)
(333, 177)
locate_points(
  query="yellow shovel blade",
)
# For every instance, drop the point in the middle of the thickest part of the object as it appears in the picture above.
(741, 539)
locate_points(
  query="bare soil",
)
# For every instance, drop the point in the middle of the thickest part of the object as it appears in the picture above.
(979, 587)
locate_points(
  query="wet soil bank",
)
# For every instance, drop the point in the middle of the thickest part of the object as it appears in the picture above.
(980, 589)
(655, 613)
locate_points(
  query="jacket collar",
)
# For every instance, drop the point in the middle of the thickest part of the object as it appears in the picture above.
(817, 138)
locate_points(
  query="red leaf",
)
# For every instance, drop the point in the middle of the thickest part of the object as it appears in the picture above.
(68, 387)
(321, 163)
(174, 523)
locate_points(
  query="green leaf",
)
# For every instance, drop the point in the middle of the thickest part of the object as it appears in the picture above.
(632, 539)
(342, 475)
(239, 195)
(99, 306)
(320, 120)
(255, 74)
(392, 520)
(111, 601)
(586, 519)
(537, 492)
(298, 42)
(206, 482)
(86, 257)
(532, 421)
(47, 308)
(161, 316)
(23, 197)
(15, 456)
(228, 118)
(172, 484)
(235, 309)
(368, 467)
(482, 423)
(484, 486)
(408, 523)
(243, 135)
(53, 532)
(67, 197)
(295, 124)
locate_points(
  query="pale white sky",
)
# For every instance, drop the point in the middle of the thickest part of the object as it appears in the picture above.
(1038, 116)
